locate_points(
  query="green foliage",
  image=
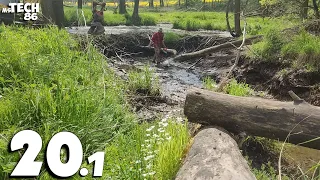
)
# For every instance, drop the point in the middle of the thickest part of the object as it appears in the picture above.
(238, 89)
(47, 84)
(148, 20)
(269, 48)
(172, 38)
(304, 50)
(209, 84)
(151, 150)
(143, 82)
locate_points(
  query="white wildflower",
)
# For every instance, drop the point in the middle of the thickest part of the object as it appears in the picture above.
(150, 129)
(161, 130)
(164, 124)
(179, 119)
(148, 157)
(149, 166)
(152, 173)
(138, 161)
(155, 135)
(147, 135)
(168, 138)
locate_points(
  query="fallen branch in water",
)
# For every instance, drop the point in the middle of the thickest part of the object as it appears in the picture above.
(206, 51)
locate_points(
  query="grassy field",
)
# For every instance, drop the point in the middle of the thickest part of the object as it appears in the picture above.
(48, 84)
(186, 20)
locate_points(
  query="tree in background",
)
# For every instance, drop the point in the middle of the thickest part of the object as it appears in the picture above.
(122, 7)
(52, 11)
(236, 5)
(304, 9)
(237, 9)
(161, 3)
(151, 5)
(135, 15)
(316, 9)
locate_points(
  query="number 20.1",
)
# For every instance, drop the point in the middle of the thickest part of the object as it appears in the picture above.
(27, 165)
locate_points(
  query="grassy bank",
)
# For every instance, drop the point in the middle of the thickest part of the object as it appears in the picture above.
(299, 49)
(47, 84)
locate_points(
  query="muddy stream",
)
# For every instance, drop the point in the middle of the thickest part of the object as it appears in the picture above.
(177, 77)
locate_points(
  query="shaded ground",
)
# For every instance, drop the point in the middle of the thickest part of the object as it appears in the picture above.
(273, 78)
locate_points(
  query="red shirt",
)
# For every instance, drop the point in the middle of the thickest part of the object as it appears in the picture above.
(157, 39)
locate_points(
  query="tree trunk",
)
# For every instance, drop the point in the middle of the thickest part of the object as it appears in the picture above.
(256, 116)
(53, 11)
(79, 4)
(179, 2)
(151, 5)
(186, 4)
(316, 9)
(214, 155)
(47, 11)
(304, 9)
(122, 7)
(204, 52)
(237, 17)
(57, 6)
(135, 15)
(161, 3)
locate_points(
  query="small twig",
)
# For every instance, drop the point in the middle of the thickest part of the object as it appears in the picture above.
(195, 63)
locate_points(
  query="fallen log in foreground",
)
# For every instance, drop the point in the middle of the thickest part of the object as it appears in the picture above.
(256, 116)
(214, 155)
(206, 51)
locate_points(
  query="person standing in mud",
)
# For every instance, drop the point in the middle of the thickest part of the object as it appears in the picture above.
(158, 42)
(97, 16)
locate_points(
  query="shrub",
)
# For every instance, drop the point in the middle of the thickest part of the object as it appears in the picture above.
(171, 38)
(270, 47)
(192, 25)
(148, 20)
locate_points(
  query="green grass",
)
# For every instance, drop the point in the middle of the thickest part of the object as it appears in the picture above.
(47, 84)
(110, 19)
(304, 51)
(233, 87)
(209, 84)
(143, 81)
(186, 20)
(300, 49)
